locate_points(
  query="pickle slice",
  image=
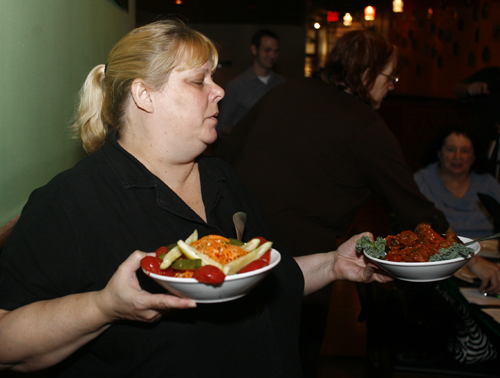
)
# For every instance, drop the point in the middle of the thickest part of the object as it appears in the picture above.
(193, 253)
(251, 245)
(170, 257)
(235, 242)
(234, 266)
(174, 252)
(186, 264)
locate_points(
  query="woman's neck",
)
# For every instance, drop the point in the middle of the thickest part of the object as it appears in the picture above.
(458, 185)
(181, 176)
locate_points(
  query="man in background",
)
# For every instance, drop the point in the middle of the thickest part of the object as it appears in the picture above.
(246, 89)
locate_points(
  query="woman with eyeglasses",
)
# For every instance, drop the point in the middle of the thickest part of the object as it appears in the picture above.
(315, 150)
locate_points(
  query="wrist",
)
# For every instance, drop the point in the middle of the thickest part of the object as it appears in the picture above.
(102, 306)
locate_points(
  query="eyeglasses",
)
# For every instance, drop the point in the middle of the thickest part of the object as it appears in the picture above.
(393, 78)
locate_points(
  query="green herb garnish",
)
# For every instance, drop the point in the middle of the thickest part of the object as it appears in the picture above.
(454, 251)
(374, 249)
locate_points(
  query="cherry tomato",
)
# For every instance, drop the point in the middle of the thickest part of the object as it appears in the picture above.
(169, 272)
(161, 252)
(209, 274)
(254, 265)
(152, 264)
(266, 257)
(262, 240)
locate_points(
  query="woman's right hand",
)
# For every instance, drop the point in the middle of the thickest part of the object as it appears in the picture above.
(123, 298)
(44, 333)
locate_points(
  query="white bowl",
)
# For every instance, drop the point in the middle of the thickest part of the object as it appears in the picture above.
(425, 271)
(234, 286)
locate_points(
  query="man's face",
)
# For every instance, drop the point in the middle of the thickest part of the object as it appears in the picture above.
(267, 54)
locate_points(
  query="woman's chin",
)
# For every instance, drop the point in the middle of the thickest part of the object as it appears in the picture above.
(211, 137)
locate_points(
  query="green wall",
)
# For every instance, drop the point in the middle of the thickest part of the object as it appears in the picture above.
(47, 48)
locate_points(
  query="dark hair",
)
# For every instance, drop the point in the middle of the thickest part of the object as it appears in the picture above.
(257, 37)
(431, 155)
(355, 53)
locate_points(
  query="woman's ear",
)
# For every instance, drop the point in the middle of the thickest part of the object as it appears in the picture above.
(141, 94)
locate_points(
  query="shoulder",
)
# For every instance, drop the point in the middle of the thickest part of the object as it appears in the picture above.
(277, 77)
(427, 175)
(487, 184)
(308, 91)
(429, 170)
(485, 179)
(243, 77)
(67, 187)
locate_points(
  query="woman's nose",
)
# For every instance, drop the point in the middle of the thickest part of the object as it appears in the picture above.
(218, 93)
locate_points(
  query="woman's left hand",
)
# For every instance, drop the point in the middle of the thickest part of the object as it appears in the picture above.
(487, 272)
(352, 266)
(344, 264)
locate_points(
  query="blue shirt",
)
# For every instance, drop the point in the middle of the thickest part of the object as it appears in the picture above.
(466, 215)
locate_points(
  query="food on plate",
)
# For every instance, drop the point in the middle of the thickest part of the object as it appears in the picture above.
(209, 274)
(422, 245)
(152, 264)
(208, 259)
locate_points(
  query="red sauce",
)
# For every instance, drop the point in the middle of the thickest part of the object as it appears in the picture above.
(418, 246)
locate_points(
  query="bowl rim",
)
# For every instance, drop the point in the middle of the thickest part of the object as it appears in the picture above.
(476, 246)
(275, 259)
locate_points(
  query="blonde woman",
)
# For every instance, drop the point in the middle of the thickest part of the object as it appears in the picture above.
(72, 296)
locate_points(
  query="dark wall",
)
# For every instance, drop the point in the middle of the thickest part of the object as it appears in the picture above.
(415, 121)
(444, 42)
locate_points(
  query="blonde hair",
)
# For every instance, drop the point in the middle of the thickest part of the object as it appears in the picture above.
(150, 52)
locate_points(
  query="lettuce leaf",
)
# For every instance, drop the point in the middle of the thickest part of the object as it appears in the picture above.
(454, 251)
(374, 249)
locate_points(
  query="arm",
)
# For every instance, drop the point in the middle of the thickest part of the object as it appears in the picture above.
(44, 333)
(344, 264)
(387, 173)
(487, 272)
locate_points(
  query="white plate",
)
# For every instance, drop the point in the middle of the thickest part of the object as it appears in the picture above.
(234, 286)
(425, 271)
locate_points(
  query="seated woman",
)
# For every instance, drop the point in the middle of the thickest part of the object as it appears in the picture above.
(72, 297)
(452, 183)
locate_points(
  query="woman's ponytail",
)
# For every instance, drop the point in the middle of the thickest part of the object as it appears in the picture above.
(88, 124)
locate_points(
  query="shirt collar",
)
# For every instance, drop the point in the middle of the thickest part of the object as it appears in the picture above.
(131, 172)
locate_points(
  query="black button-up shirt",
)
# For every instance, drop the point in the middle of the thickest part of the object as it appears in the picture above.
(75, 231)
